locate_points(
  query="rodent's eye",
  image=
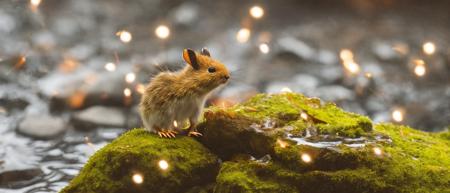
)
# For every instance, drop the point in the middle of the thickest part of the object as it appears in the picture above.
(211, 69)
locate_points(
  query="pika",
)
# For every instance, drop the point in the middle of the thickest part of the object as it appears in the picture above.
(171, 98)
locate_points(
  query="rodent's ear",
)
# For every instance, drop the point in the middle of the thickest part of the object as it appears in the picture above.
(190, 57)
(205, 52)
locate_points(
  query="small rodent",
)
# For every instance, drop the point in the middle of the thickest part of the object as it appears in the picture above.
(171, 98)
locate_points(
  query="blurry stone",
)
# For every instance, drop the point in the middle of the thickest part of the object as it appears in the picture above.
(186, 13)
(44, 40)
(297, 47)
(19, 178)
(326, 57)
(385, 52)
(306, 83)
(11, 106)
(334, 93)
(7, 22)
(41, 126)
(99, 116)
(331, 73)
(279, 87)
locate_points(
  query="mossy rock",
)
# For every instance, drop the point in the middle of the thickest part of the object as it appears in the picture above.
(413, 161)
(255, 126)
(344, 153)
(110, 170)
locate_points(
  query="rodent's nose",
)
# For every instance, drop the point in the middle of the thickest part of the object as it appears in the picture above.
(226, 77)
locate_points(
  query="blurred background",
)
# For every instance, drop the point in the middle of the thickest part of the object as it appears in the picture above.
(72, 72)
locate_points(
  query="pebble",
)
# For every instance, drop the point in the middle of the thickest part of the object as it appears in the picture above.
(41, 126)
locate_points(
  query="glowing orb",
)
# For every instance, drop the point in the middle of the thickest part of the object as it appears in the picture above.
(243, 35)
(163, 164)
(306, 158)
(138, 178)
(429, 48)
(162, 32)
(256, 12)
(110, 66)
(264, 48)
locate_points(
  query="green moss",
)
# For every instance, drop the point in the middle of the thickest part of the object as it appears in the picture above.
(286, 109)
(138, 152)
(248, 177)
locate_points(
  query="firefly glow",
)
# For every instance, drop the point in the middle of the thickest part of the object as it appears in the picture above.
(138, 178)
(352, 67)
(282, 143)
(127, 92)
(35, 2)
(264, 48)
(419, 68)
(306, 158)
(286, 90)
(429, 48)
(397, 115)
(346, 55)
(256, 12)
(125, 36)
(377, 151)
(243, 35)
(110, 66)
(304, 116)
(162, 32)
(163, 164)
(130, 77)
(175, 123)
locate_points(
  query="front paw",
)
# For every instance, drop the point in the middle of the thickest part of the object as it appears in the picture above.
(194, 133)
(167, 134)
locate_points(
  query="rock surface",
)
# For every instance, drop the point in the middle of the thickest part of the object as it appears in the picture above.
(99, 116)
(41, 126)
(112, 168)
(276, 143)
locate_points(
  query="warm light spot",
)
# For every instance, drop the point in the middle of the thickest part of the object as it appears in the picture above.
(264, 48)
(429, 48)
(130, 77)
(346, 55)
(125, 36)
(243, 35)
(286, 89)
(401, 48)
(282, 143)
(20, 62)
(256, 12)
(304, 116)
(419, 68)
(397, 115)
(127, 92)
(88, 142)
(162, 32)
(175, 123)
(68, 65)
(138, 178)
(35, 2)
(377, 151)
(352, 67)
(368, 75)
(140, 88)
(306, 158)
(163, 164)
(77, 99)
(110, 66)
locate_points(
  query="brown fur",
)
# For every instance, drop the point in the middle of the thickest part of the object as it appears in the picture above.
(177, 96)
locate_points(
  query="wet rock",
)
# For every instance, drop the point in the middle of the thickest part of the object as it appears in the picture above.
(99, 116)
(19, 178)
(19, 162)
(370, 160)
(42, 126)
(189, 164)
(297, 47)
